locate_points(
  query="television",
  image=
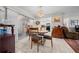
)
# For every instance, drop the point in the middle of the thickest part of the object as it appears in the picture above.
(77, 28)
(48, 28)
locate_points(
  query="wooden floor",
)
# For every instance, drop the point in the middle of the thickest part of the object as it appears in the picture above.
(74, 44)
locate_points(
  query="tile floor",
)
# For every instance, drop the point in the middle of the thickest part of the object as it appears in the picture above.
(59, 46)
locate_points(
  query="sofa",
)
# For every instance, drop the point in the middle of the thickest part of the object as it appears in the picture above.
(70, 35)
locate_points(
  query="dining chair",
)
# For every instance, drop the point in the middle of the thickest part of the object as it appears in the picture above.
(47, 37)
(32, 30)
(36, 38)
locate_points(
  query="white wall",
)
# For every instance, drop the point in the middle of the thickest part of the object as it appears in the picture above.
(57, 23)
(2, 14)
(44, 21)
(17, 20)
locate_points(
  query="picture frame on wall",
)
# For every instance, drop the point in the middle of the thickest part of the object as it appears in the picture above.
(56, 19)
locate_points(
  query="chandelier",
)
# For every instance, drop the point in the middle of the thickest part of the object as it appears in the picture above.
(40, 12)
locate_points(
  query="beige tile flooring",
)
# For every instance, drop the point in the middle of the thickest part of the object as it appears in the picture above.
(59, 46)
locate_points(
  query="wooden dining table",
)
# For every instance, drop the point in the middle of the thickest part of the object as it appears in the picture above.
(40, 32)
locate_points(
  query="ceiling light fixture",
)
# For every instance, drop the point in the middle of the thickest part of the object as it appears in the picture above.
(40, 12)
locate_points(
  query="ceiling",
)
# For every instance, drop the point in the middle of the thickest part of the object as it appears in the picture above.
(51, 10)
(48, 10)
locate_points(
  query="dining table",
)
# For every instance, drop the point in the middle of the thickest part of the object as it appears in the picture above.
(39, 34)
(40, 31)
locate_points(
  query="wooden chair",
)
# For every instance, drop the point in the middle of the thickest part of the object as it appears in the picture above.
(37, 39)
(32, 30)
(47, 37)
(57, 32)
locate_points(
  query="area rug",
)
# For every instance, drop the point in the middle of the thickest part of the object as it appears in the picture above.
(74, 44)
